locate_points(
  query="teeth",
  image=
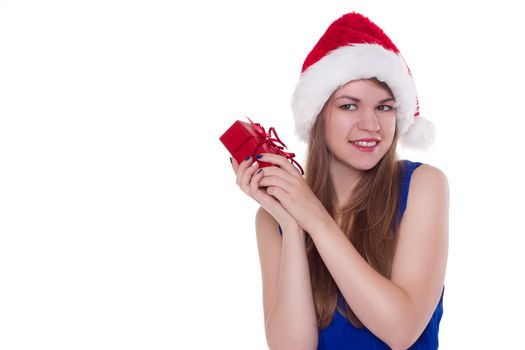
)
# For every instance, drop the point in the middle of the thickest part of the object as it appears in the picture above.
(366, 144)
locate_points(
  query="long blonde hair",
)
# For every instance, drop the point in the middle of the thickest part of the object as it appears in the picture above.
(368, 217)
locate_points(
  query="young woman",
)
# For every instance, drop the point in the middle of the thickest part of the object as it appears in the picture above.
(353, 255)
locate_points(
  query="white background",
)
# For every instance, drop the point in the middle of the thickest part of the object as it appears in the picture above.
(121, 226)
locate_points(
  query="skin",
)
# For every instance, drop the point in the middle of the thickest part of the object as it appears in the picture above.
(396, 310)
(348, 119)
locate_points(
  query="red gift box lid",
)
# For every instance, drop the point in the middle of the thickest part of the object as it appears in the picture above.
(237, 135)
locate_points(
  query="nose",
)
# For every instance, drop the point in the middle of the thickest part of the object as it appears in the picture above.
(368, 120)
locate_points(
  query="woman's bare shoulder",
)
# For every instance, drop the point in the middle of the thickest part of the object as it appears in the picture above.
(429, 175)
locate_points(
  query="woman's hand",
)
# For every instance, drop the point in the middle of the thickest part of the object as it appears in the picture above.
(249, 181)
(288, 186)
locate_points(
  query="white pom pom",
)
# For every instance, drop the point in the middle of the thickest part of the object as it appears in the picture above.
(419, 136)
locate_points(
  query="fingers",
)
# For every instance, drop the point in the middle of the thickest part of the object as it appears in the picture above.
(234, 163)
(274, 172)
(261, 195)
(274, 180)
(281, 162)
(254, 189)
(244, 172)
(246, 176)
(250, 180)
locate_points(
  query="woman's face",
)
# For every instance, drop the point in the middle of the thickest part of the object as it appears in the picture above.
(360, 110)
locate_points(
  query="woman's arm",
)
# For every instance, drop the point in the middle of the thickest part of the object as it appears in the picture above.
(396, 310)
(290, 321)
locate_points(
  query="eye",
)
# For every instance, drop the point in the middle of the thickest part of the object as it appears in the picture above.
(348, 107)
(385, 108)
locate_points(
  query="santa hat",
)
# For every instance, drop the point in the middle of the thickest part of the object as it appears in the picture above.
(353, 48)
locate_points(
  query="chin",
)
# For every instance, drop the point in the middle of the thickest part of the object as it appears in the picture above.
(365, 164)
(359, 160)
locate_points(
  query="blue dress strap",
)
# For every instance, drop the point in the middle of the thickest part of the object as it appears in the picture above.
(407, 168)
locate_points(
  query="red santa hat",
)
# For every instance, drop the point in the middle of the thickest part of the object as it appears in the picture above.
(353, 48)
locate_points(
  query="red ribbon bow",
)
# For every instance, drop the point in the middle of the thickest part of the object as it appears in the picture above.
(271, 141)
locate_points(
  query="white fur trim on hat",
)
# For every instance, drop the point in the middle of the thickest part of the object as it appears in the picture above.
(347, 63)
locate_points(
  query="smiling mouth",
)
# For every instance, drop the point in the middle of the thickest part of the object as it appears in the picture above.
(365, 143)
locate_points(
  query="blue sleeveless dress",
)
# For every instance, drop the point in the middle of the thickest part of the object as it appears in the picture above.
(342, 335)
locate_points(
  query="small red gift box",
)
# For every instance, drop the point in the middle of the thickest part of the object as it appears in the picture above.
(245, 139)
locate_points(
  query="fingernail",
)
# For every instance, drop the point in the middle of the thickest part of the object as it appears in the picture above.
(231, 161)
(248, 157)
(259, 156)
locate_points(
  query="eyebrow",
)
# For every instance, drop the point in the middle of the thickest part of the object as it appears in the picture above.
(358, 100)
